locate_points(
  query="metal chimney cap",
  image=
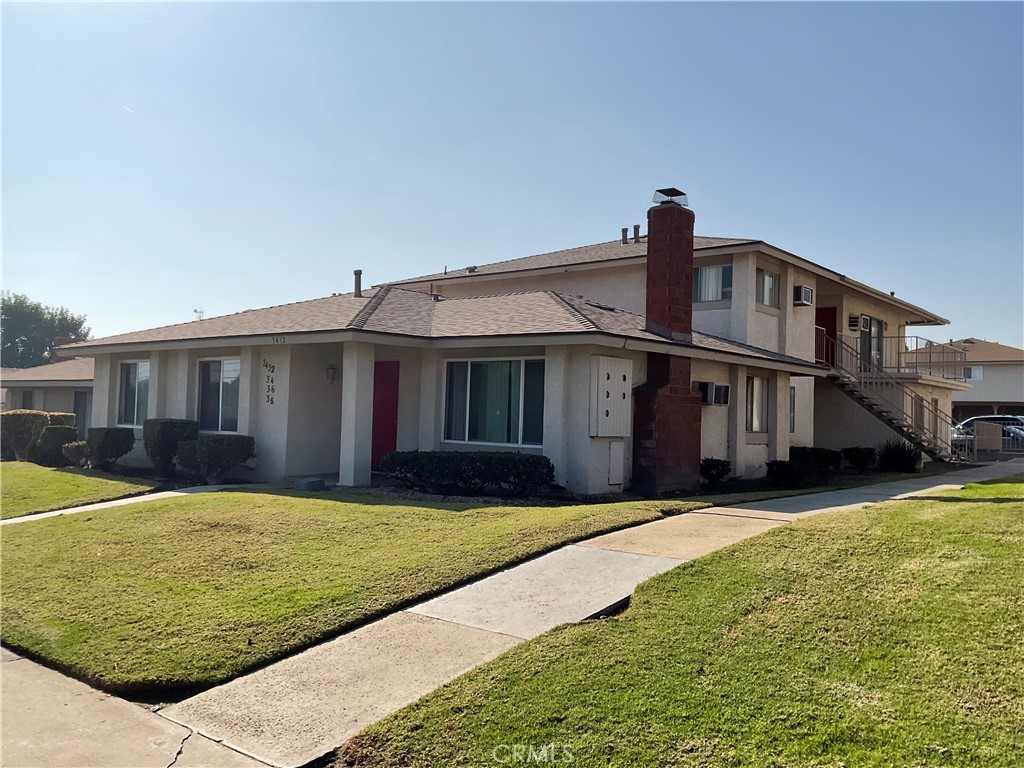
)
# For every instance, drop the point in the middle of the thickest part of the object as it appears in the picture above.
(670, 195)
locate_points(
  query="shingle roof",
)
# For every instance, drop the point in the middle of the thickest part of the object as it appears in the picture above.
(609, 251)
(981, 351)
(406, 312)
(74, 369)
(326, 314)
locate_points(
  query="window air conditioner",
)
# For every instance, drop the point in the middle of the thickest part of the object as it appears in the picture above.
(860, 323)
(721, 394)
(707, 391)
(803, 296)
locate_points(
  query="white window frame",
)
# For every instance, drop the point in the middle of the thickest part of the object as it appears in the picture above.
(755, 411)
(117, 412)
(760, 274)
(220, 401)
(697, 281)
(469, 375)
(976, 373)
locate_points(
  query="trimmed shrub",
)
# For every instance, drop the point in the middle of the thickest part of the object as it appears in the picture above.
(212, 457)
(105, 445)
(76, 452)
(161, 438)
(471, 472)
(898, 456)
(61, 419)
(713, 472)
(859, 458)
(20, 429)
(188, 457)
(821, 462)
(48, 449)
(788, 474)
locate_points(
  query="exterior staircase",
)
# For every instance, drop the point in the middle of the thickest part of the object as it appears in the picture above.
(889, 400)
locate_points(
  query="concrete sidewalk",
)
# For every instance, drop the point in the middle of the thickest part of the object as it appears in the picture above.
(299, 709)
(131, 500)
(52, 721)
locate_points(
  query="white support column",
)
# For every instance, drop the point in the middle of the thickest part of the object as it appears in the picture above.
(744, 284)
(157, 385)
(431, 394)
(356, 413)
(104, 392)
(778, 417)
(737, 416)
(248, 389)
(556, 386)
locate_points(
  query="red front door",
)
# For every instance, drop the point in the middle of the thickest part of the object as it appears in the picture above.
(385, 410)
(825, 317)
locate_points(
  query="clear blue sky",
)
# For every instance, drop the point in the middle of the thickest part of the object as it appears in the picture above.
(159, 158)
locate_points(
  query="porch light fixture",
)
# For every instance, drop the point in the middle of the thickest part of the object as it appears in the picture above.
(670, 195)
(332, 372)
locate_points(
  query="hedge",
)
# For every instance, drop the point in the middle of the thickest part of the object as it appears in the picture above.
(77, 452)
(62, 419)
(470, 472)
(212, 457)
(105, 445)
(714, 471)
(20, 429)
(898, 456)
(859, 458)
(821, 462)
(48, 450)
(161, 438)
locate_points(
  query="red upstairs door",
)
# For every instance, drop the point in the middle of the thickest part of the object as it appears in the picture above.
(385, 410)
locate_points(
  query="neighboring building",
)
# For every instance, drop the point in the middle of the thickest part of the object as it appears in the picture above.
(623, 362)
(996, 374)
(64, 386)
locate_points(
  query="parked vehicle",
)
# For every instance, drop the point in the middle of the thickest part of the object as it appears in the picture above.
(1013, 432)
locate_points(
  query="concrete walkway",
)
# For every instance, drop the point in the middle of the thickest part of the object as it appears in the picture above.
(130, 500)
(52, 721)
(301, 708)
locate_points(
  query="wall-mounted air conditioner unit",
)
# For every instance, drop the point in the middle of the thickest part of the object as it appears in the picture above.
(803, 296)
(721, 394)
(860, 323)
(707, 391)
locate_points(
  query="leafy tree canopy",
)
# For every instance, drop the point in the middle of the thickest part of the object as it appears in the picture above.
(28, 330)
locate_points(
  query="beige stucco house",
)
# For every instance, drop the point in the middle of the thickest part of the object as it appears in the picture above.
(63, 386)
(996, 374)
(623, 362)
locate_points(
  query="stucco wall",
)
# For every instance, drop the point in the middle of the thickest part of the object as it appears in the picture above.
(999, 383)
(804, 432)
(314, 409)
(714, 419)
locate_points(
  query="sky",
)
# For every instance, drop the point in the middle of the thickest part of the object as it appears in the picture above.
(161, 158)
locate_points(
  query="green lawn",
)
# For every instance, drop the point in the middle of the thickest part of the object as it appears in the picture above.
(28, 488)
(163, 596)
(890, 636)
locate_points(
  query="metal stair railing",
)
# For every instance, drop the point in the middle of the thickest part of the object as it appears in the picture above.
(878, 390)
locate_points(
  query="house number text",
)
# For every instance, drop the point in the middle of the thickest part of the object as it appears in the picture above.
(268, 383)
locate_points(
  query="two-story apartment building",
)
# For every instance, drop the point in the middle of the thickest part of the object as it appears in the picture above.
(623, 362)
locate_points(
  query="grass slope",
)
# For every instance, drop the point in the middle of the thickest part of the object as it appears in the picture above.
(187, 592)
(28, 488)
(889, 636)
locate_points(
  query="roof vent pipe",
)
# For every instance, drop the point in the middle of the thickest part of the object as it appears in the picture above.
(359, 283)
(636, 233)
(625, 235)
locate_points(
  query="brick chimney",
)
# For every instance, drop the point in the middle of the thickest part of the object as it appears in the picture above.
(667, 412)
(670, 270)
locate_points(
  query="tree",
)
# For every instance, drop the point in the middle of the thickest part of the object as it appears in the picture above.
(28, 330)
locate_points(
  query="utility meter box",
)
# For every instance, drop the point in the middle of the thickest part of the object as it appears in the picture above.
(611, 397)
